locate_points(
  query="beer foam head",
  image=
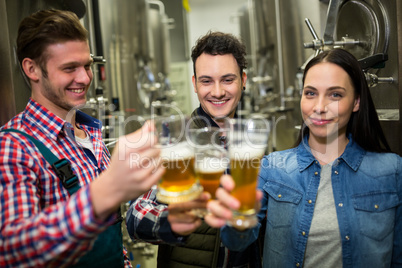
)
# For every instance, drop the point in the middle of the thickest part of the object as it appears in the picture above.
(177, 151)
(211, 165)
(245, 152)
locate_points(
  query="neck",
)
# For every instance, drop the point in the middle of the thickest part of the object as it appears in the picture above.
(220, 122)
(328, 149)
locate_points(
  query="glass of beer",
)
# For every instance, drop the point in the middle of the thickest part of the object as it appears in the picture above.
(179, 182)
(211, 159)
(247, 142)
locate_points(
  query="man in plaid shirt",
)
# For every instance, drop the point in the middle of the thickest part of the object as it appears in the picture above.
(41, 224)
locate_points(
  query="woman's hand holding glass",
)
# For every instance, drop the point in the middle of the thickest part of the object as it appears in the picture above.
(221, 209)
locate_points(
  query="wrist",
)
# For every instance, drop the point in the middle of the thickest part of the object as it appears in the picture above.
(103, 197)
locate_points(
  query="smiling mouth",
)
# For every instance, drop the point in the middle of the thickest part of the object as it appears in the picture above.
(320, 121)
(80, 90)
(219, 102)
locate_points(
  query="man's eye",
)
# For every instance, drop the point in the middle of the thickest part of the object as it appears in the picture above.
(205, 81)
(69, 69)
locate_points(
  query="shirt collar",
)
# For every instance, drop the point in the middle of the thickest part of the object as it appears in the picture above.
(84, 119)
(210, 121)
(52, 125)
(352, 156)
(49, 124)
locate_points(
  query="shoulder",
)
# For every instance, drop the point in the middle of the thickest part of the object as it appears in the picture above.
(13, 143)
(286, 155)
(197, 120)
(286, 159)
(380, 164)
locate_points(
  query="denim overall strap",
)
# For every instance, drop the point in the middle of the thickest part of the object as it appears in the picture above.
(107, 251)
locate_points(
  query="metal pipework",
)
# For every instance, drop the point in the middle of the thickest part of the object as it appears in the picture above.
(319, 44)
(373, 80)
(98, 59)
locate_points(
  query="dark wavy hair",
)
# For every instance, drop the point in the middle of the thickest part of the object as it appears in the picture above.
(46, 27)
(218, 43)
(364, 125)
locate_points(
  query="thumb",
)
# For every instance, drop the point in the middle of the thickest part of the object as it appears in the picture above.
(148, 126)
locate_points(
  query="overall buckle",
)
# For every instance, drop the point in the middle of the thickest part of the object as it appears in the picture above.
(65, 173)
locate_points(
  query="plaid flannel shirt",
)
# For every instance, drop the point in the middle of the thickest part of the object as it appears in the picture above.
(40, 224)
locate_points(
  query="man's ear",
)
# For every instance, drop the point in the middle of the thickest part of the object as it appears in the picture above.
(194, 85)
(244, 79)
(31, 69)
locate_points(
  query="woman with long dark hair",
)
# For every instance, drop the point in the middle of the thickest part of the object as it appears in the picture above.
(335, 199)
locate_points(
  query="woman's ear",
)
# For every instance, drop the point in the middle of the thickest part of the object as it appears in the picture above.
(356, 106)
(31, 69)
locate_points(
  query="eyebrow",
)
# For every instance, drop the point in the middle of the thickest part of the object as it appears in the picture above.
(330, 88)
(76, 63)
(223, 76)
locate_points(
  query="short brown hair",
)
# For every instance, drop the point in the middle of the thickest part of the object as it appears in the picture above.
(219, 43)
(46, 27)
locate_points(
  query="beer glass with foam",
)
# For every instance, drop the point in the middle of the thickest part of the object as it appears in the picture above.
(211, 159)
(247, 142)
(179, 182)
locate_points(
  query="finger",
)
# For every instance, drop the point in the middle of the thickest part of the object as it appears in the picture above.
(260, 195)
(182, 217)
(139, 140)
(144, 179)
(213, 221)
(149, 126)
(227, 182)
(226, 199)
(216, 208)
(146, 159)
(187, 206)
(186, 228)
(205, 196)
(155, 176)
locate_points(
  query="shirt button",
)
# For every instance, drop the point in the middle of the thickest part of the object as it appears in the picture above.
(336, 172)
(340, 205)
(316, 173)
(347, 237)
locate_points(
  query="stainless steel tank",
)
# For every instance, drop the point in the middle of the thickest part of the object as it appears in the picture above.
(369, 30)
(275, 36)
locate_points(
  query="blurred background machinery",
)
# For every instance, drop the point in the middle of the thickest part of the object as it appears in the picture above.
(141, 49)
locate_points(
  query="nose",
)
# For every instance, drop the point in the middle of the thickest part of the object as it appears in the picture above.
(321, 106)
(84, 76)
(218, 91)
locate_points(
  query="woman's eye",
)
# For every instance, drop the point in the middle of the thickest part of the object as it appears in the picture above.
(309, 93)
(336, 95)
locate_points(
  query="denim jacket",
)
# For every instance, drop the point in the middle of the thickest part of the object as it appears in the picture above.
(367, 190)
